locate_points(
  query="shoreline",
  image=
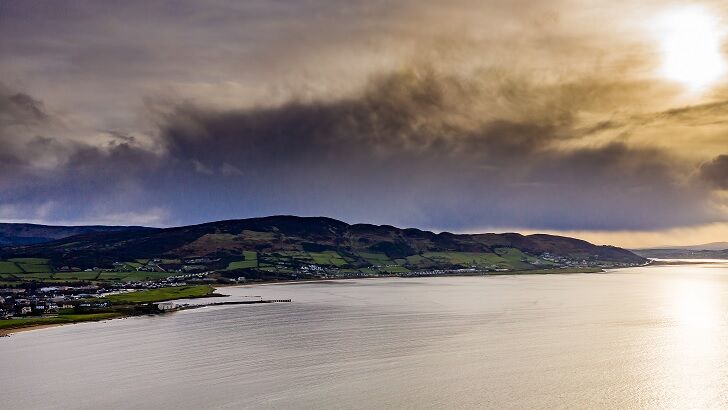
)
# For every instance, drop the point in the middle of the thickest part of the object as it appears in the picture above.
(10, 331)
(444, 275)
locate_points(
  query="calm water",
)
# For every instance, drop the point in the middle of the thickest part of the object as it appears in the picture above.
(653, 337)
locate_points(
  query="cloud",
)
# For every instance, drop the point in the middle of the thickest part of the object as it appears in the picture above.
(440, 150)
(46, 174)
(716, 171)
(448, 115)
(21, 108)
(416, 147)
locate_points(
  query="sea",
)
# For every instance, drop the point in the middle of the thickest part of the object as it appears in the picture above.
(652, 337)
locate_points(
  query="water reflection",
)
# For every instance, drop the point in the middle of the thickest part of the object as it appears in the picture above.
(694, 349)
(694, 305)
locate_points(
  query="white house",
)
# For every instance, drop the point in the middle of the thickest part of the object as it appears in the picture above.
(166, 305)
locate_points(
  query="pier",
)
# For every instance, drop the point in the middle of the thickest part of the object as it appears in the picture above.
(171, 306)
(249, 302)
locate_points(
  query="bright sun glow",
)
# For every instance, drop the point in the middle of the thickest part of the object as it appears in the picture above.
(690, 42)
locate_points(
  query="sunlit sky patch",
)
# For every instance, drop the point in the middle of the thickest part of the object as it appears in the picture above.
(690, 40)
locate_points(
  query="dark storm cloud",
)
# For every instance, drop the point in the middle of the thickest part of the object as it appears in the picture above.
(430, 150)
(416, 147)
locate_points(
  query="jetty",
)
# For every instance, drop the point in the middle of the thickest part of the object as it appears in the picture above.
(172, 306)
(248, 302)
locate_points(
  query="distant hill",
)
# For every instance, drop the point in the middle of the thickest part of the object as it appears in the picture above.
(680, 253)
(13, 234)
(713, 250)
(289, 243)
(712, 246)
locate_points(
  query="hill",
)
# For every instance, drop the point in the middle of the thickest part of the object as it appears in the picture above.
(283, 246)
(713, 246)
(683, 253)
(13, 234)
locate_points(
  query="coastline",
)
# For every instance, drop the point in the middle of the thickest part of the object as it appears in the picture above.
(10, 331)
(122, 305)
(483, 274)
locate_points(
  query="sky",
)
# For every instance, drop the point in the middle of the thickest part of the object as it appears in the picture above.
(606, 120)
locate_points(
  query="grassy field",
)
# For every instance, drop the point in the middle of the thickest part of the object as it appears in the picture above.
(242, 265)
(286, 261)
(30, 261)
(161, 294)
(250, 255)
(504, 258)
(76, 275)
(419, 260)
(9, 267)
(376, 259)
(515, 255)
(94, 276)
(35, 268)
(250, 260)
(32, 265)
(70, 318)
(135, 276)
(133, 265)
(331, 258)
(41, 276)
(394, 269)
(465, 259)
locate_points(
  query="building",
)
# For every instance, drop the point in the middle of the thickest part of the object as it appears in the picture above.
(166, 306)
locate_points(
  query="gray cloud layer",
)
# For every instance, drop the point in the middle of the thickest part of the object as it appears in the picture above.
(413, 148)
(425, 149)
(448, 116)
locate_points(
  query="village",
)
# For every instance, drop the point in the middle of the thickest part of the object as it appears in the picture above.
(33, 299)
